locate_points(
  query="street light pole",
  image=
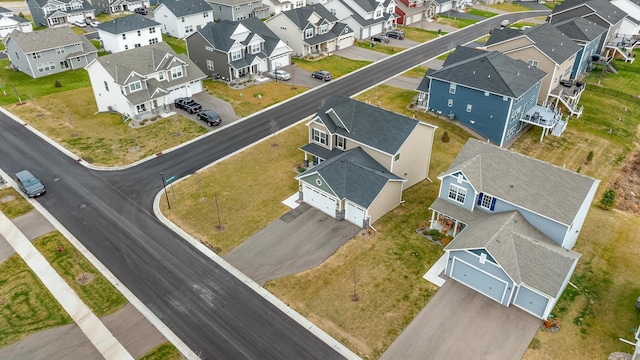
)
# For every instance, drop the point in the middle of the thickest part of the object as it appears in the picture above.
(164, 186)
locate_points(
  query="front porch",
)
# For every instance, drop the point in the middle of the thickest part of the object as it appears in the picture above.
(549, 119)
(569, 96)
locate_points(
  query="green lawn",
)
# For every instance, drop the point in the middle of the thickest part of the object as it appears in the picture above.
(336, 65)
(383, 48)
(16, 207)
(510, 7)
(178, 45)
(165, 351)
(483, 13)
(420, 35)
(455, 22)
(416, 72)
(16, 85)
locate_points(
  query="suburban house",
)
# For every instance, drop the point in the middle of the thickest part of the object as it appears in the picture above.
(311, 30)
(630, 26)
(48, 51)
(365, 17)
(235, 49)
(514, 221)
(488, 93)
(236, 10)
(59, 12)
(119, 6)
(180, 18)
(128, 32)
(587, 35)
(143, 82)
(277, 6)
(443, 6)
(548, 49)
(601, 12)
(411, 11)
(362, 157)
(10, 22)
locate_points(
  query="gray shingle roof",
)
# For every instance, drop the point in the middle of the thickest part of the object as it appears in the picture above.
(580, 29)
(300, 16)
(5, 10)
(526, 254)
(353, 175)
(532, 184)
(49, 38)
(219, 34)
(489, 71)
(546, 37)
(603, 8)
(181, 8)
(233, 2)
(127, 24)
(366, 124)
(147, 60)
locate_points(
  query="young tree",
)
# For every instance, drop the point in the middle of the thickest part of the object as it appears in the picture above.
(608, 200)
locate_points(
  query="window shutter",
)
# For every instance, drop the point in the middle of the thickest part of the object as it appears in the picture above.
(493, 204)
(480, 198)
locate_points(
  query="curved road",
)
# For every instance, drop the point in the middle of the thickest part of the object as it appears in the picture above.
(111, 213)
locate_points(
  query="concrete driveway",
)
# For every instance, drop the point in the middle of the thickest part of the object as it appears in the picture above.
(459, 323)
(299, 240)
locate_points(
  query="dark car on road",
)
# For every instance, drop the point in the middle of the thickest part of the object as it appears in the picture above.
(29, 184)
(187, 104)
(380, 38)
(211, 117)
(141, 11)
(322, 75)
(396, 34)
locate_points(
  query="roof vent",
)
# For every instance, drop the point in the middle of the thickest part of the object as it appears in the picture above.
(518, 74)
(474, 72)
(488, 76)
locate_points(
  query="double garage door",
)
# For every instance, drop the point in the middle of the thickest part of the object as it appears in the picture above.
(319, 200)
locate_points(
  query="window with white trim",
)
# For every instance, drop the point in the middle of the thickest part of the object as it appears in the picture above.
(210, 65)
(324, 28)
(341, 142)
(205, 14)
(141, 108)
(485, 203)
(36, 55)
(452, 88)
(188, 28)
(139, 32)
(135, 86)
(308, 33)
(106, 86)
(176, 72)
(152, 30)
(450, 103)
(255, 48)
(60, 50)
(397, 157)
(320, 136)
(153, 41)
(457, 193)
(378, 14)
(124, 36)
(533, 63)
(46, 66)
(236, 55)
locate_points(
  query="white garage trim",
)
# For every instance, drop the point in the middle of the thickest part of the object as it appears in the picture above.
(319, 200)
(546, 308)
(506, 284)
(355, 213)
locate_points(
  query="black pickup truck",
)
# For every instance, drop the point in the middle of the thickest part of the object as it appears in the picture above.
(188, 105)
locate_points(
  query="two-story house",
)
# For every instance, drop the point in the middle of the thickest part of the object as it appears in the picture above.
(10, 22)
(630, 26)
(362, 158)
(128, 32)
(180, 18)
(278, 6)
(120, 6)
(366, 17)
(48, 51)
(234, 49)
(236, 10)
(601, 12)
(144, 81)
(587, 35)
(487, 92)
(548, 49)
(514, 221)
(311, 30)
(411, 11)
(59, 12)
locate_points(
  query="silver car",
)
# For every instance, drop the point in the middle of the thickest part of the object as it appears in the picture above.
(279, 74)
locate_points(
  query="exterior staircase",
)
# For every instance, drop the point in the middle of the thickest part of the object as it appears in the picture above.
(559, 128)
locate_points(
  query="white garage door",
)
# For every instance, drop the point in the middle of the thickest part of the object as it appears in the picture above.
(376, 29)
(354, 214)
(479, 280)
(365, 33)
(177, 93)
(319, 200)
(196, 87)
(531, 301)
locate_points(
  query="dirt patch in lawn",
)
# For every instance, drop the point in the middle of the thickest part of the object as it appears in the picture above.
(627, 185)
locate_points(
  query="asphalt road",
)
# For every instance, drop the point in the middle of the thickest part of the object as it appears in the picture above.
(111, 214)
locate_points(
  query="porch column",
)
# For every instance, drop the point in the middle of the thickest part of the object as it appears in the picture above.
(433, 215)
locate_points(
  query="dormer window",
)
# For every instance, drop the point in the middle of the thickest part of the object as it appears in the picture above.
(320, 137)
(135, 86)
(457, 193)
(324, 28)
(378, 14)
(486, 202)
(255, 48)
(176, 72)
(161, 75)
(236, 55)
(308, 33)
(341, 142)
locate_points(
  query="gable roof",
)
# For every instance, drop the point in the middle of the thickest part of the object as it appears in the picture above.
(300, 16)
(546, 37)
(219, 34)
(127, 24)
(49, 38)
(373, 126)
(489, 71)
(526, 254)
(147, 60)
(233, 2)
(532, 184)
(181, 8)
(580, 29)
(603, 8)
(353, 175)
(85, 5)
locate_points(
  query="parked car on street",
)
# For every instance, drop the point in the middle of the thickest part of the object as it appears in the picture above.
(322, 75)
(141, 11)
(29, 184)
(211, 117)
(279, 74)
(380, 38)
(187, 104)
(396, 34)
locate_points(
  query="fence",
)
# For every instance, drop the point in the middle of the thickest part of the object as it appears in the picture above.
(614, 93)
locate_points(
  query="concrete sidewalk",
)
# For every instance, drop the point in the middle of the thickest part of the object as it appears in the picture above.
(87, 321)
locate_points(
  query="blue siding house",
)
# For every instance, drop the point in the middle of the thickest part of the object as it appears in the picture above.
(587, 35)
(487, 92)
(514, 221)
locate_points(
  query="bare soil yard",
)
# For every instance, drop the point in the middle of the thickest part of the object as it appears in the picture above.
(627, 185)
